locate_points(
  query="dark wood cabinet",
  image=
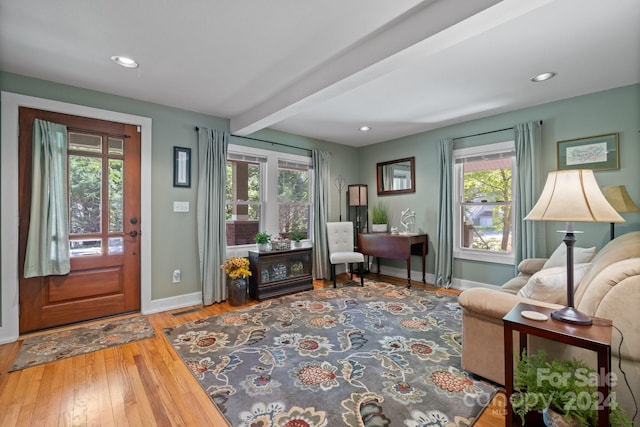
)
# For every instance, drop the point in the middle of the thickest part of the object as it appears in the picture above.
(276, 273)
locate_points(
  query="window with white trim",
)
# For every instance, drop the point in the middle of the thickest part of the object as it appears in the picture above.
(483, 202)
(266, 191)
(294, 209)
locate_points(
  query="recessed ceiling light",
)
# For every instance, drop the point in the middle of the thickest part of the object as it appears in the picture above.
(124, 61)
(542, 77)
(365, 128)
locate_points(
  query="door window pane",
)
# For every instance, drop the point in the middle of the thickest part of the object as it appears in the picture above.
(85, 191)
(84, 142)
(116, 245)
(116, 191)
(83, 247)
(116, 145)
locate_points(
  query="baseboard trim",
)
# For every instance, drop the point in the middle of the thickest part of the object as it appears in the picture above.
(173, 303)
(459, 284)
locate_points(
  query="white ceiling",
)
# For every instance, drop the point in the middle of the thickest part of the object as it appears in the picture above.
(324, 68)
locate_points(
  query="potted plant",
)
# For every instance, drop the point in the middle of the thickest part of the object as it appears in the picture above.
(379, 219)
(237, 272)
(262, 238)
(559, 389)
(297, 237)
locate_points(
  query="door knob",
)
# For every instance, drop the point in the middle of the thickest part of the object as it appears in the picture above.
(134, 233)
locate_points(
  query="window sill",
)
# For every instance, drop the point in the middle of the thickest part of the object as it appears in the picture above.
(484, 256)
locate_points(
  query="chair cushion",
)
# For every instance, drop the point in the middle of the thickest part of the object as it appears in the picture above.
(559, 257)
(550, 284)
(344, 257)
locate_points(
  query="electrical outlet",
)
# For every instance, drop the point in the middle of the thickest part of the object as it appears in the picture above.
(176, 276)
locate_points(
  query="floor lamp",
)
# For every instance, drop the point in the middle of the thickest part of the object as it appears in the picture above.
(619, 198)
(572, 196)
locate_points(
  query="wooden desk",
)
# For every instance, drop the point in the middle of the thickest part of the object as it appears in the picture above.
(596, 337)
(394, 246)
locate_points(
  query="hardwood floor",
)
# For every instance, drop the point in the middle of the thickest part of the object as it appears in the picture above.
(143, 383)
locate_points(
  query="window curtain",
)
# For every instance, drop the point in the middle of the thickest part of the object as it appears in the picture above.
(529, 234)
(212, 234)
(444, 251)
(321, 171)
(47, 250)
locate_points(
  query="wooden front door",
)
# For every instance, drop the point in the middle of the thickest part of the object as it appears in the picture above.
(104, 224)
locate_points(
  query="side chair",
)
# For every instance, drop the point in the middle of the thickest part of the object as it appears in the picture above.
(342, 249)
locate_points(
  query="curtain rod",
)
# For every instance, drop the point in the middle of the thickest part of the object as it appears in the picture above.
(486, 133)
(96, 132)
(269, 142)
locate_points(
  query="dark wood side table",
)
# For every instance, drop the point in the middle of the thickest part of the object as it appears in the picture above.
(394, 246)
(596, 337)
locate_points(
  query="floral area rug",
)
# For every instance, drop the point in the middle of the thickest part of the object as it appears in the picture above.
(85, 339)
(381, 355)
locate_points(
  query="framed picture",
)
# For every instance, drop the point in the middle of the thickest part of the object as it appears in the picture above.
(181, 167)
(598, 152)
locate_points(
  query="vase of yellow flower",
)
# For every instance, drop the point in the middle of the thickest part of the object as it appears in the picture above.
(237, 272)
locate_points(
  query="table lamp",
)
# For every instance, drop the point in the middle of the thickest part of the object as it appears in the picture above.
(619, 199)
(572, 196)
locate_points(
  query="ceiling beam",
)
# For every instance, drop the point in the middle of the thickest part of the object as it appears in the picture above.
(372, 57)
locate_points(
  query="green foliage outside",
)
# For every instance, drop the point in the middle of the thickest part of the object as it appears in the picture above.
(253, 189)
(293, 196)
(85, 194)
(493, 185)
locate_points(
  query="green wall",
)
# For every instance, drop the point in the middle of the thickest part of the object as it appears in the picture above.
(174, 241)
(174, 235)
(616, 110)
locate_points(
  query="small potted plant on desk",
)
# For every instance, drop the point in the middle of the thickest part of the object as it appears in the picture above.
(379, 219)
(559, 389)
(297, 236)
(262, 238)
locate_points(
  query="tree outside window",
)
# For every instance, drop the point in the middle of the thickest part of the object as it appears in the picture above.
(484, 202)
(293, 199)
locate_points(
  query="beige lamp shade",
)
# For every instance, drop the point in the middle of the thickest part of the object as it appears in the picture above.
(573, 195)
(619, 198)
(358, 195)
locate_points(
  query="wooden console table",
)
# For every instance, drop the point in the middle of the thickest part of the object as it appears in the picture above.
(394, 246)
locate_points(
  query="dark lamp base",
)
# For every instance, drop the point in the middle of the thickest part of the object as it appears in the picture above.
(571, 315)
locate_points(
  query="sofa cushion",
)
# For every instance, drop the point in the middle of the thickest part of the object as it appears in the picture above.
(550, 284)
(621, 248)
(514, 285)
(559, 257)
(530, 266)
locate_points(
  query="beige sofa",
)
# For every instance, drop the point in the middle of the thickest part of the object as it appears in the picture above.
(609, 288)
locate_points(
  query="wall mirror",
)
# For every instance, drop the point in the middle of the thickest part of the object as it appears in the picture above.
(396, 176)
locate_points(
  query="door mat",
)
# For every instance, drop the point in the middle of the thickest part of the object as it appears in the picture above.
(47, 348)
